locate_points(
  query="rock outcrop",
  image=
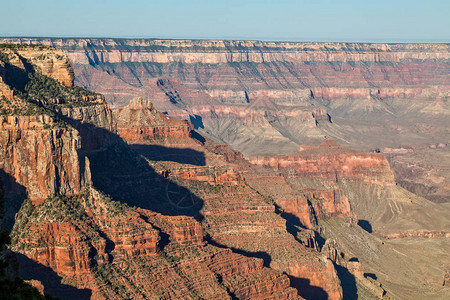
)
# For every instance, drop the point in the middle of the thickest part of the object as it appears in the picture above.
(331, 162)
(50, 61)
(139, 122)
(271, 97)
(40, 155)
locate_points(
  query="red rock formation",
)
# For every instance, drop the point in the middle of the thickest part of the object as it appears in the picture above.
(331, 162)
(40, 155)
(295, 208)
(236, 216)
(229, 154)
(226, 265)
(322, 70)
(37, 284)
(66, 251)
(318, 273)
(52, 62)
(270, 95)
(140, 121)
(328, 204)
(188, 265)
(105, 246)
(212, 175)
(183, 230)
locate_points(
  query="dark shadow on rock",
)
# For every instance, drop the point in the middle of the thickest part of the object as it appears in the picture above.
(293, 226)
(371, 275)
(179, 155)
(197, 121)
(348, 283)
(164, 238)
(14, 195)
(364, 224)
(121, 172)
(320, 241)
(29, 269)
(257, 254)
(17, 77)
(195, 135)
(306, 290)
(290, 218)
(302, 285)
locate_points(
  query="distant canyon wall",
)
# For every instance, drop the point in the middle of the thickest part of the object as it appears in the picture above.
(220, 67)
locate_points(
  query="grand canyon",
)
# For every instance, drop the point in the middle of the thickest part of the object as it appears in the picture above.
(203, 169)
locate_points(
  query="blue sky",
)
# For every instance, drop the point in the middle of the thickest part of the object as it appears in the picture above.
(302, 20)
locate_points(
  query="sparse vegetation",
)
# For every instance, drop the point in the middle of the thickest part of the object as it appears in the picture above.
(50, 92)
(37, 94)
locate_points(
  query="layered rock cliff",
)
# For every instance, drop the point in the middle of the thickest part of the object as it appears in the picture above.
(40, 151)
(232, 214)
(331, 162)
(342, 182)
(139, 122)
(304, 195)
(53, 169)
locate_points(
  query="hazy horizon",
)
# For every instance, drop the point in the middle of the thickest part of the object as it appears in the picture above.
(235, 39)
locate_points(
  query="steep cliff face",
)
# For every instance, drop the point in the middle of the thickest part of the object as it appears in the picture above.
(332, 162)
(54, 166)
(242, 70)
(207, 223)
(40, 151)
(91, 241)
(337, 181)
(361, 95)
(50, 61)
